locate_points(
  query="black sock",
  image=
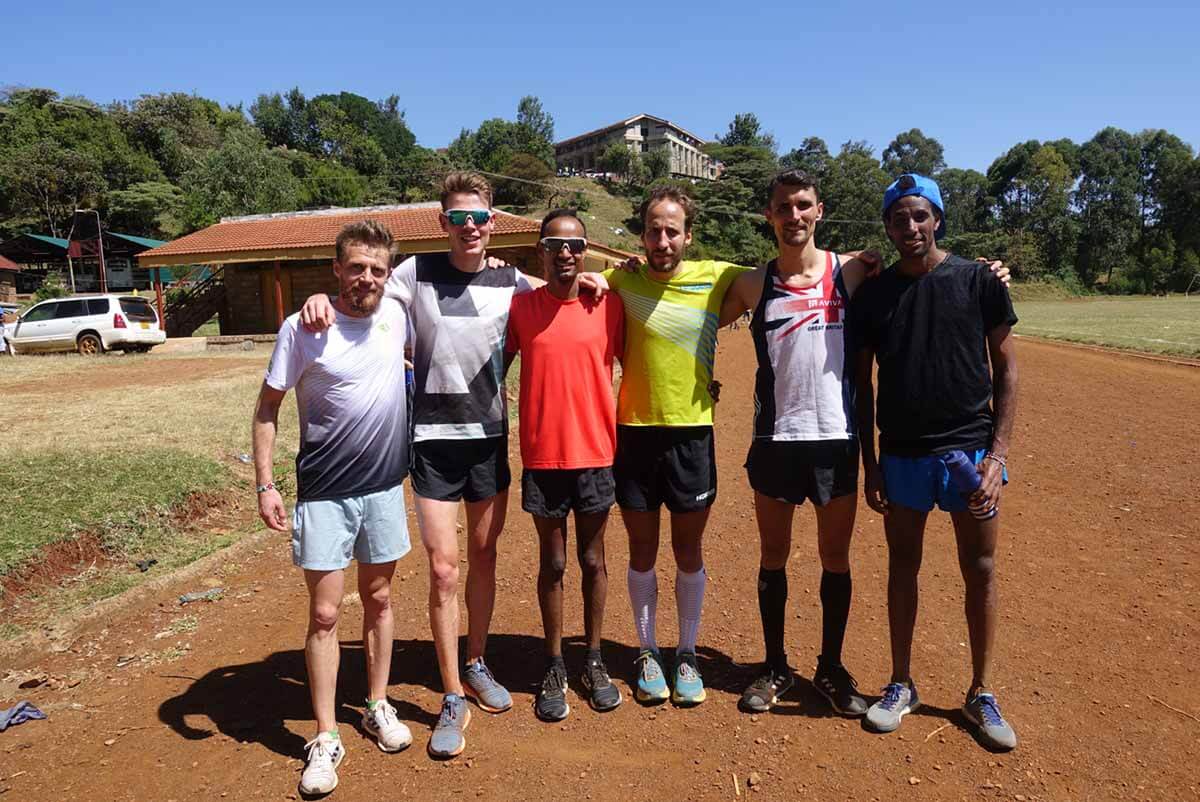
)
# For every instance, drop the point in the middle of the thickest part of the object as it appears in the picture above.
(772, 602)
(835, 611)
(593, 656)
(556, 660)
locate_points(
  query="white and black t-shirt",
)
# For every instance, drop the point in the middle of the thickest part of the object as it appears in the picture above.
(349, 384)
(459, 321)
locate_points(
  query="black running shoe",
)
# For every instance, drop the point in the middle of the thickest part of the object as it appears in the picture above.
(764, 692)
(604, 696)
(834, 682)
(551, 703)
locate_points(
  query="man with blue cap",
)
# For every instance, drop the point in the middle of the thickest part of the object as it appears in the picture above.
(932, 321)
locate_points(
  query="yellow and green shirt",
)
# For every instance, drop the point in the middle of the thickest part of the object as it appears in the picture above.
(670, 342)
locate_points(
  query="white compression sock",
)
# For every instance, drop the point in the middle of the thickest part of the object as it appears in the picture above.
(643, 598)
(689, 601)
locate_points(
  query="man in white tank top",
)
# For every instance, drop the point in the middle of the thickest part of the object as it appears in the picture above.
(805, 442)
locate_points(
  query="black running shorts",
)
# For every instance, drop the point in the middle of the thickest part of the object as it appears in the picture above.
(671, 465)
(554, 493)
(792, 471)
(450, 470)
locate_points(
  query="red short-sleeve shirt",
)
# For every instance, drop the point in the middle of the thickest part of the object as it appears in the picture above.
(568, 414)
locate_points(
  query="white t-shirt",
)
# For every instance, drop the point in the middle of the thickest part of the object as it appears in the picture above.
(350, 392)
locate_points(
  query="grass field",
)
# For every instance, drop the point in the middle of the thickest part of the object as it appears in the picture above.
(1158, 325)
(115, 446)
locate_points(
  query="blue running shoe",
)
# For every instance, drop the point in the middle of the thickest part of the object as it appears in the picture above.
(448, 737)
(489, 694)
(651, 684)
(994, 732)
(899, 699)
(689, 688)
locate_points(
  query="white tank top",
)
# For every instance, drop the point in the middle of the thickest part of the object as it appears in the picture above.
(804, 388)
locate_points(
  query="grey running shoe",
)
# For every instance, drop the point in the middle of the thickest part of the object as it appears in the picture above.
(489, 694)
(551, 703)
(898, 701)
(765, 691)
(994, 732)
(390, 732)
(325, 753)
(448, 739)
(834, 682)
(604, 696)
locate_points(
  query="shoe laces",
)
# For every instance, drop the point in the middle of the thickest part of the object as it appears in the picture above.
(891, 695)
(449, 714)
(687, 669)
(480, 669)
(597, 674)
(650, 668)
(989, 710)
(385, 715)
(838, 675)
(320, 754)
(555, 679)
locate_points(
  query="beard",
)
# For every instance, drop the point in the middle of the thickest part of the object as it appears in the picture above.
(362, 301)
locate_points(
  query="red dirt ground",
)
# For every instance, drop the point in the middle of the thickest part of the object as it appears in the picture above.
(1100, 564)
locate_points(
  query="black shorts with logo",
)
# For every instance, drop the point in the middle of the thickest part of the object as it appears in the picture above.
(450, 470)
(792, 471)
(552, 493)
(672, 465)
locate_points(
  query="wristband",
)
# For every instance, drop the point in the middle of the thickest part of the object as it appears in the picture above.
(996, 458)
(264, 488)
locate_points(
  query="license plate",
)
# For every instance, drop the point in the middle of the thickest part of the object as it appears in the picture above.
(145, 325)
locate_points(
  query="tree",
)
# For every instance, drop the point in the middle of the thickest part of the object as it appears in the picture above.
(528, 183)
(616, 159)
(852, 191)
(536, 134)
(657, 163)
(53, 181)
(240, 177)
(1108, 197)
(812, 157)
(149, 208)
(913, 152)
(1054, 228)
(746, 130)
(966, 201)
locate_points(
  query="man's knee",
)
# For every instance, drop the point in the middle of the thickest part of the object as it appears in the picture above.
(553, 566)
(323, 616)
(443, 575)
(377, 599)
(978, 570)
(482, 555)
(591, 562)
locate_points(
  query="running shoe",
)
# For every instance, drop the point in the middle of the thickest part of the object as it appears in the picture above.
(603, 694)
(651, 684)
(448, 734)
(834, 682)
(898, 701)
(325, 754)
(765, 691)
(390, 733)
(994, 732)
(689, 688)
(551, 702)
(489, 694)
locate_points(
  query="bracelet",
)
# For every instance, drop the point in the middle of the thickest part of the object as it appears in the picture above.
(996, 458)
(264, 488)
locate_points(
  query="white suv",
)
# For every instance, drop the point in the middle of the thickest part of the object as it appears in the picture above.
(88, 324)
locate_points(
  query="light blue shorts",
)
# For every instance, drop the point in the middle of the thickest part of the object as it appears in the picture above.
(920, 482)
(371, 528)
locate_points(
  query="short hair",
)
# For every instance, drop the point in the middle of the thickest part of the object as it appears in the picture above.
(795, 178)
(369, 232)
(554, 214)
(670, 193)
(463, 181)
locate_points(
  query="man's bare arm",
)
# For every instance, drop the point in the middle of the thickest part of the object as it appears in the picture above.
(262, 436)
(873, 488)
(742, 295)
(1003, 353)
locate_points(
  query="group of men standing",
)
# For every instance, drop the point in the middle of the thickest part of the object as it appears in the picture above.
(819, 322)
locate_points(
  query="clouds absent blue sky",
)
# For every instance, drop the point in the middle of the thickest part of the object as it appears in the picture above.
(977, 80)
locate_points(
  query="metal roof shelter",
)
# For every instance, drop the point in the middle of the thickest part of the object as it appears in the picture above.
(304, 241)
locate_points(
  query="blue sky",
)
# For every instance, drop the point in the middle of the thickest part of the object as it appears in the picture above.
(978, 80)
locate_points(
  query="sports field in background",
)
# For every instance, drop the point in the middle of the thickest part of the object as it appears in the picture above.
(1159, 325)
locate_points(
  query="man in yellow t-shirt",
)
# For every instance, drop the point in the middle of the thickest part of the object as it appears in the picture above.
(665, 451)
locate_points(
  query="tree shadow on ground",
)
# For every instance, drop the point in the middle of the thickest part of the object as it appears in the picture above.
(252, 702)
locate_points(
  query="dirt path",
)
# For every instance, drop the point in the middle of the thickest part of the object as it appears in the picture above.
(1100, 564)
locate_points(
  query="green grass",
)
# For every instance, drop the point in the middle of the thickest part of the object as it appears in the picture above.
(606, 213)
(1158, 325)
(125, 499)
(210, 328)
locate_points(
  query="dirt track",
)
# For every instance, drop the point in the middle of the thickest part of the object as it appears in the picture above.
(1100, 564)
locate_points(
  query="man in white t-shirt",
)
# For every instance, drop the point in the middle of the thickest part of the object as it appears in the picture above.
(350, 393)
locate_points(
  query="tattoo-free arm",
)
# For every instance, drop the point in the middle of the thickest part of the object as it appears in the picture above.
(262, 436)
(1002, 350)
(873, 488)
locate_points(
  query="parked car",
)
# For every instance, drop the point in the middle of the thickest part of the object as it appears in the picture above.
(88, 324)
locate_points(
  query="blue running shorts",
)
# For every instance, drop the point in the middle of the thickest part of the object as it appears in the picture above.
(920, 482)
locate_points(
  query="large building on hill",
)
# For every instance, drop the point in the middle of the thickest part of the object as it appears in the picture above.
(641, 134)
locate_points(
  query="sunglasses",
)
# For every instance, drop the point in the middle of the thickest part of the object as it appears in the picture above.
(458, 217)
(575, 245)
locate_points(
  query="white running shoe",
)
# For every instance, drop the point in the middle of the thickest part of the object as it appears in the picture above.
(325, 753)
(390, 732)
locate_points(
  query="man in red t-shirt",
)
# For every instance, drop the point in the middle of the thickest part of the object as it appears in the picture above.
(567, 343)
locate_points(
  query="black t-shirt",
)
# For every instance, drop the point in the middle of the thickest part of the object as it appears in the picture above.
(929, 335)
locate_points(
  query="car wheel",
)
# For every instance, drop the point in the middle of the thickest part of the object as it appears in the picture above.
(89, 345)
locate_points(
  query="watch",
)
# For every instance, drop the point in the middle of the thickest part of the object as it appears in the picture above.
(264, 488)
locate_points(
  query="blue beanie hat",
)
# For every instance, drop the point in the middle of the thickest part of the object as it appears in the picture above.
(913, 184)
